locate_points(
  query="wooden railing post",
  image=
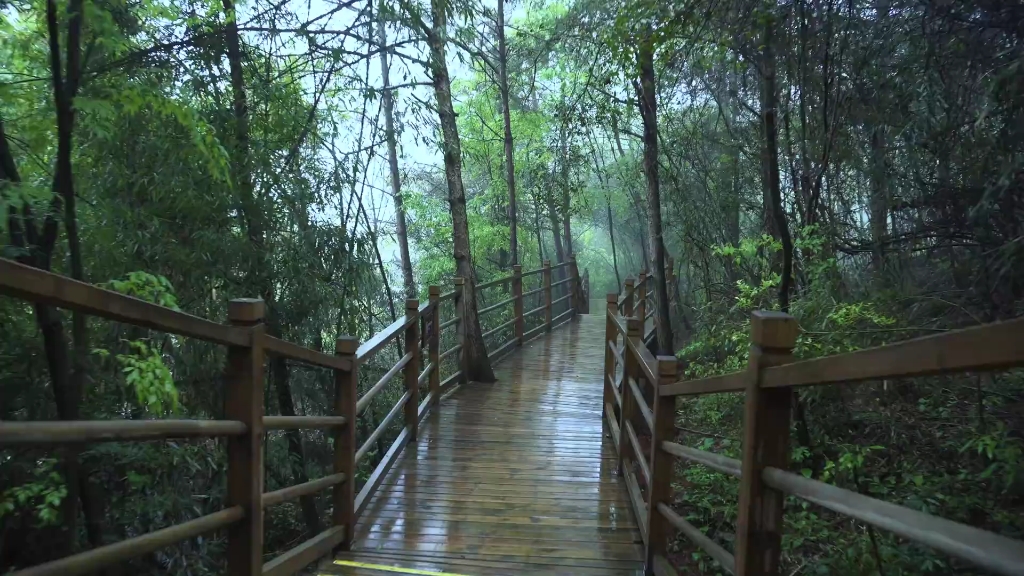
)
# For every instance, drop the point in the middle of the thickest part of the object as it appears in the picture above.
(517, 304)
(627, 303)
(574, 286)
(434, 344)
(641, 302)
(611, 334)
(346, 394)
(459, 303)
(631, 369)
(766, 420)
(661, 463)
(586, 291)
(244, 402)
(547, 295)
(411, 372)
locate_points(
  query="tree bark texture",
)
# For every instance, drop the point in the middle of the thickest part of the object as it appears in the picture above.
(510, 170)
(647, 96)
(477, 362)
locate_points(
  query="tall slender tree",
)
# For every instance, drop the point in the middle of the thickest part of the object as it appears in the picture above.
(388, 103)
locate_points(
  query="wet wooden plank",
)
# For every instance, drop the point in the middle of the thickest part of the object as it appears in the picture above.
(514, 477)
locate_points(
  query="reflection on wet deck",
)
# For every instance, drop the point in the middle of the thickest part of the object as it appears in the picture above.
(510, 478)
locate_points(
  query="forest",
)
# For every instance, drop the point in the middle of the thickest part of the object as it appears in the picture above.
(858, 164)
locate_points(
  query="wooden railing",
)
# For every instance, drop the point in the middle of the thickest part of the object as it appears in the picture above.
(637, 299)
(639, 401)
(244, 423)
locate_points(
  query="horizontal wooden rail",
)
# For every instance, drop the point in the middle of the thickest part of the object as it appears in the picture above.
(383, 426)
(563, 281)
(424, 406)
(734, 382)
(446, 296)
(615, 392)
(616, 353)
(378, 474)
(27, 283)
(560, 300)
(425, 374)
(529, 334)
(368, 397)
(638, 397)
(721, 555)
(450, 381)
(305, 355)
(381, 339)
(494, 307)
(98, 558)
(561, 317)
(980, 348)
(537, 310)
(449, 352)
(986, 549)
(640, 459)
(505, 348)
(645, 359)
(532, 272)
(613, 425)
(78, 431)
(495, 282)
(529, 293)
(302, 422)
(717, 462)
(499, 328)
(637, 500)
(447, 323)
(306, 553)
(292, 492)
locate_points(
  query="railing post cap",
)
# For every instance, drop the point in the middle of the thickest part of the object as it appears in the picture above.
(346, 345)
(517, 268)
(434, 291)
(412, 303)
(459, 280)
(246, 310)
(611, 298)
(667, 365)
(547, 263)
(633, 325)
(775, 330)
(628, 282)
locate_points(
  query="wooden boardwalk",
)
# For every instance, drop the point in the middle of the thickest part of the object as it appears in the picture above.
(509, 478)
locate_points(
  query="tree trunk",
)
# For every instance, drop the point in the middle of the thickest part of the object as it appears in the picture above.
(771, 186)
(69, 384)
(477, 362)
(647, 95)
(510, 171)
(396, 181)
(611, 234)
(556, 234)
(879, 203)
(540, 238)
(296, 455)
(566, 197)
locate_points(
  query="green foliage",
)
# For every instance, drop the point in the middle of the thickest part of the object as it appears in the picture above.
(145, 372)
(148, 287)
(42, 495)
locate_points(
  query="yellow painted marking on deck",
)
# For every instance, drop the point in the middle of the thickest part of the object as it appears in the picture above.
(397, 569)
